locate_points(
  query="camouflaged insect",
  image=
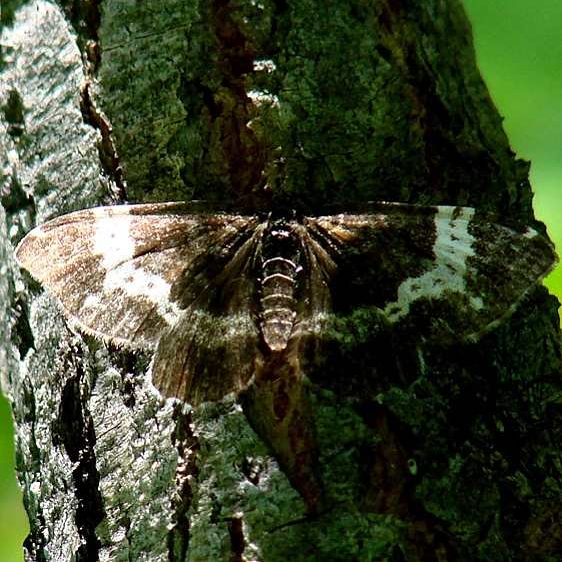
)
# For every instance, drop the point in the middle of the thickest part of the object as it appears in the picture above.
(216, 293)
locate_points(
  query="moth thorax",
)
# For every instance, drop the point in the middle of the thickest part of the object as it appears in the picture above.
(278, 303)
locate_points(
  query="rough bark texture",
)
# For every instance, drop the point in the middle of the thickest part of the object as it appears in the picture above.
(455, 458)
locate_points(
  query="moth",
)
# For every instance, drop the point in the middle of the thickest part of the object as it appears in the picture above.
(213, 293)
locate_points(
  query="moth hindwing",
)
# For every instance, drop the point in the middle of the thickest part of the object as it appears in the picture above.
(213, 293)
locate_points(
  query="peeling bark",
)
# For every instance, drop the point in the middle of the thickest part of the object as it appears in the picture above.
(450, 454)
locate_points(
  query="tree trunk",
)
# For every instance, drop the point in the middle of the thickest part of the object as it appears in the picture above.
(453, 457)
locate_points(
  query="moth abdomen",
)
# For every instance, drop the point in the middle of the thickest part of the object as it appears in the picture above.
(278, 302)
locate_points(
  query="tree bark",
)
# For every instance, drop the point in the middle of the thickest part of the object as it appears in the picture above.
(456, 457)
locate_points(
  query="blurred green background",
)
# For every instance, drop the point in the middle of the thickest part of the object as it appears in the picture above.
(518, 46)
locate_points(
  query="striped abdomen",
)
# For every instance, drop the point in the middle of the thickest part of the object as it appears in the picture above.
(278, 302)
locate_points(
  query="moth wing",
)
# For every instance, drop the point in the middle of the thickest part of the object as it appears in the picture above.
(439, 271)
(116, 269)
(313, 314)
(213, 349)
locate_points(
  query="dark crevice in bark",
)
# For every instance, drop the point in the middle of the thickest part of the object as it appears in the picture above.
(16, 198)
(129, 363)
(230, 107)
(186, 473)
(21, 330)
(109, 157)
(237, 540)
(85, 17)
(34, 543)
(14, 114)
(251, 469)
(74, 428)
(7, 15)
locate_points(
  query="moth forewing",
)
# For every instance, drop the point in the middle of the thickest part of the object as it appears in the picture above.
(115, 269)
(442, 272)
(211, 351)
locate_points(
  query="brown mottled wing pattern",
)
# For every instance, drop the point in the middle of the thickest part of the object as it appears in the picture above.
(143, 275)
(437, 271)
(212, 349)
